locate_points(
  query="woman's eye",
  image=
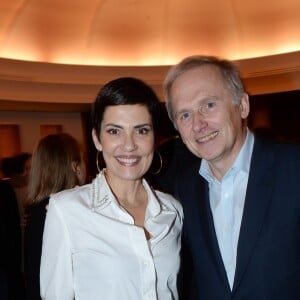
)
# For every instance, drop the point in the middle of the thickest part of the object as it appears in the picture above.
(143, 130)
(113, 131)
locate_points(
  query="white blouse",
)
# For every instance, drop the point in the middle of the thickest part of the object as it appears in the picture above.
(92, 249)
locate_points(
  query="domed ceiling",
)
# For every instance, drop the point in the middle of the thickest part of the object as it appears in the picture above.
(143, 33)
(62, 51)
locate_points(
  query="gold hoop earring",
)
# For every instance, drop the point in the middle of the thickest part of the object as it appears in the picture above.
(97, 162)
(161, 164)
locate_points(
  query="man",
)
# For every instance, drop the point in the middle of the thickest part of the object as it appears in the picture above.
(242, 201)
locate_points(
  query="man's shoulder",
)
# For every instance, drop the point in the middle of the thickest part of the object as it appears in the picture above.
(278, 148)
(276, 157)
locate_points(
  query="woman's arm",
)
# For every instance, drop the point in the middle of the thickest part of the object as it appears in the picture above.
(56, 278)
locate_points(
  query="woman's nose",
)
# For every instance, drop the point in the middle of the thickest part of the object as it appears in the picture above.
(129, 143)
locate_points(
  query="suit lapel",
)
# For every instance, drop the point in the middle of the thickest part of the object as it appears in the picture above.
(258, 197)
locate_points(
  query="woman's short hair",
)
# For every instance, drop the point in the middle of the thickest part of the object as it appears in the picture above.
(51, 167)
(126, 91)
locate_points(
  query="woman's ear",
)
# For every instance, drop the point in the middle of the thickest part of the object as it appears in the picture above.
(96, 140)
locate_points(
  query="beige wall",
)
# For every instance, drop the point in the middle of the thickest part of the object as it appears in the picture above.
(30, 122)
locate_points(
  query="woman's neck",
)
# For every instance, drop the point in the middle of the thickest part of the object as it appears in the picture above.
(129, 193)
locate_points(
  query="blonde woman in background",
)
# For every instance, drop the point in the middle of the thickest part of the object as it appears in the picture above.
(57, 164)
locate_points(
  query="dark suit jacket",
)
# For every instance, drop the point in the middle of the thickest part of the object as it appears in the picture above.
(268, 256)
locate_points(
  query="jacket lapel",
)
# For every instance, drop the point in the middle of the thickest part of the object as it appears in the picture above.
(258, 197)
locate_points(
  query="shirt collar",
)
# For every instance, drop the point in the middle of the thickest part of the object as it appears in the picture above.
(100, 192)
(154, 206)
(102, 196)
(241, 163)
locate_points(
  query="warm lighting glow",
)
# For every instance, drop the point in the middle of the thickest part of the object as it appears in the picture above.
(287, 48)
(264, 52)
(20, 55)
(142, 61)
(146, 33)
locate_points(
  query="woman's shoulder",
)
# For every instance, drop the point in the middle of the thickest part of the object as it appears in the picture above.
(78, 194)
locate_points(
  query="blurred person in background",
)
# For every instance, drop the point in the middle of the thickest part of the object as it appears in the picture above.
(16, 170)
(11, 281)
(57, 164)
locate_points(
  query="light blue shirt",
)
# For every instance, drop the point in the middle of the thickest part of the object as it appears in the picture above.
(227, 198)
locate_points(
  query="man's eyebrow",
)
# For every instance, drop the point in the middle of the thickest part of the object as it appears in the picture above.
(182, 111)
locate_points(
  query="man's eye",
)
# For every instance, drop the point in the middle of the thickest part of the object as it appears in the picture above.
(210, 105)
(184, 116)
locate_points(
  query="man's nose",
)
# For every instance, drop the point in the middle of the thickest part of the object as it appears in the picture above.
(198, 121)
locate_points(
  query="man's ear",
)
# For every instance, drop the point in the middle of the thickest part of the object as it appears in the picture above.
(244, 106)
(96, 140)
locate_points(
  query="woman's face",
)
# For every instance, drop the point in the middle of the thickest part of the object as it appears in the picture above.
(126, 140)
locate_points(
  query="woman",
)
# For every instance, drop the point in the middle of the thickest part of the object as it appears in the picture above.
(57, 164)
(115, 238)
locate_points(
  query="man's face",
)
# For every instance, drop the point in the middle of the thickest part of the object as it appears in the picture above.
(207, 118)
